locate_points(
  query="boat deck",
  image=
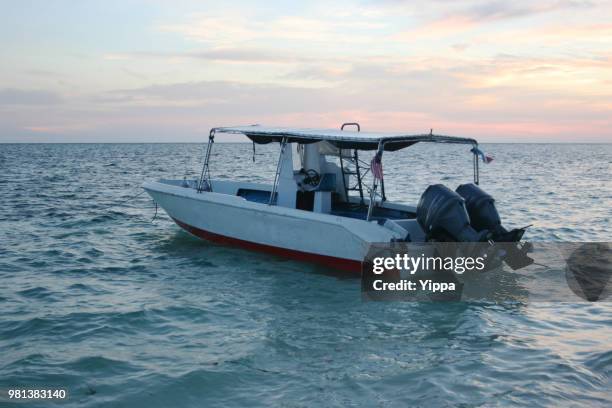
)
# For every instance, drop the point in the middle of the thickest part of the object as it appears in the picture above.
(259, 193)
(341, 209)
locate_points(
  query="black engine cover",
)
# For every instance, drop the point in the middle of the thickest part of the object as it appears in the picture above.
(481, 209)
(484, 216)
(442, 214)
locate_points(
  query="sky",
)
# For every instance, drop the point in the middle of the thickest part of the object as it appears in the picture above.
(168, 71)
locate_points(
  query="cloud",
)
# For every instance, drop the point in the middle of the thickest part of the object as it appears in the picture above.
(503, 87)
(236, 31)
(227, 97)
(317, 72)
(13, 96)
(248, 55)
(409, 101)
(587, 37)
(503, 10)
(571, 76)
(460, 47)
(230, 55)
(458, 17)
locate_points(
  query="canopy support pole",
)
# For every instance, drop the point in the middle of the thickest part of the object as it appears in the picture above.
(374, 184)
(205, 183)
(346, 193)
(476, 169)
(358, 171)
(278, 170)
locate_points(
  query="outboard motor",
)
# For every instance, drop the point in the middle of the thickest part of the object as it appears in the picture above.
(484, 216)
(442, 214)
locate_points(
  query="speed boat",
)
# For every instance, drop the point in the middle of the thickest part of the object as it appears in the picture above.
(327, 205)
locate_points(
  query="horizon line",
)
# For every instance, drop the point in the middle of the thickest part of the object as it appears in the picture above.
(247, 142)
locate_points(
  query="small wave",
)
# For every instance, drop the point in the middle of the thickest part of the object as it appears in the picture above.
(38, 292)
(94, 253)
(600, 362)
(71, 234)
(81, 287)
(30, 327)
(106, 365)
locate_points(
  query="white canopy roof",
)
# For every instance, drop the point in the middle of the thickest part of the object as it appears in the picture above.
(340, 138)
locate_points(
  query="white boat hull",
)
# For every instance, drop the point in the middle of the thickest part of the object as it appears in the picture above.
(335, 241)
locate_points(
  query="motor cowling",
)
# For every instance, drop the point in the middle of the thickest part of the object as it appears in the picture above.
(483, 214)
(481, 208)
(442, 214)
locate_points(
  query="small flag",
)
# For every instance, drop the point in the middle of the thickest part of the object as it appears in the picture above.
(485, 157)
(376, 166)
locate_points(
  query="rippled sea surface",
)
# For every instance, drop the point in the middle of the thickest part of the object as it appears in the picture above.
(123, 311)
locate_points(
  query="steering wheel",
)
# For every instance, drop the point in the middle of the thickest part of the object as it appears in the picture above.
(312, 177)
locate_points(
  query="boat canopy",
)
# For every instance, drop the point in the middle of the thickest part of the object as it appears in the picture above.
(339, 138)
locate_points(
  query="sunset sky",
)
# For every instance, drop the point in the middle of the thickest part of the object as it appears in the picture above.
(163, 71)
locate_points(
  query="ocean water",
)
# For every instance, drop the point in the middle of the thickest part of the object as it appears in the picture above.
(123, 310)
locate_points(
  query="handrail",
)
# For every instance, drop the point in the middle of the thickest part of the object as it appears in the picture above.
(351, 124)
(357, 171)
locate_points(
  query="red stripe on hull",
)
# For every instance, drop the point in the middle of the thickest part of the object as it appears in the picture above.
(333, 262)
